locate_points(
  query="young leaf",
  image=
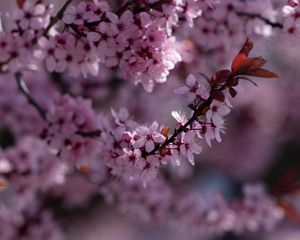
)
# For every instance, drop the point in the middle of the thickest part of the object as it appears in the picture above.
(240, 63)
(257, 62)
(244, 65)
(263, 73)
(20, 3)
(247, 47)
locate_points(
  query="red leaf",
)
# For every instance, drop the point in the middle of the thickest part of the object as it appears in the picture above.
(20, 3)
(263, 73)
(257, 62)
(290, 211)
(248, 45)
(240, 63)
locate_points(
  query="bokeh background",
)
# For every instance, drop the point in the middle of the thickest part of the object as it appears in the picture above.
(261, 144)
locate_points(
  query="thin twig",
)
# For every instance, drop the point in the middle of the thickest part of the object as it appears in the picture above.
(148, 7)
(58, 17)
(198, 112)
(255, 15)
(92, 134)
(24, 89)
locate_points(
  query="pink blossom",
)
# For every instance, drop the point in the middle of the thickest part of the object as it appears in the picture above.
(189, 147)
(217, 112)
(33, 15)
(194, 89)
(148, 137)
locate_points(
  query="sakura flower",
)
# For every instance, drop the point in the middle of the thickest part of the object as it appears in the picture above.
(192, 11)
(70, 16)
(129, 165)
(48, 54)
(148, 137)
(217, 112)
(194, 89)
(210, 132)
(127, 28)
(259, 210)
(31, 16)
(155, 36)
(75, 14)
(189, 147)
(180, 117)
(122, 118)
(150, 170)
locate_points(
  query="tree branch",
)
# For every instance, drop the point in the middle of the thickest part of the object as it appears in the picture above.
(24, 89)
(57, 17)
(92, 134)
(257, 16)
(198, 112)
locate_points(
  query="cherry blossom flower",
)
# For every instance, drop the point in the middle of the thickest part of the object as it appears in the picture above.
(189, 147)
(217, 112)
(33, 15)
(195, 89)
(122, 118)
(148, 137)
(180, 117)
(67, 119)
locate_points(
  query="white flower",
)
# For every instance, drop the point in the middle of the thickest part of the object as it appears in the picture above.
(180, 117)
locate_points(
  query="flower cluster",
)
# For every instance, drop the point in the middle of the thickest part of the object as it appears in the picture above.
(17, 47)
(213, 215)
(69, 120)
(29, 169)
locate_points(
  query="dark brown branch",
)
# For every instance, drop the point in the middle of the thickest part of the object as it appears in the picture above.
(92, 134)
(199, 111)
(257, 16)
(57, 17)
(136, 9)
(24, 89)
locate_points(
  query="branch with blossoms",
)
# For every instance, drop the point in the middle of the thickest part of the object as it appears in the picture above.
(150, 146)
(209, 99)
